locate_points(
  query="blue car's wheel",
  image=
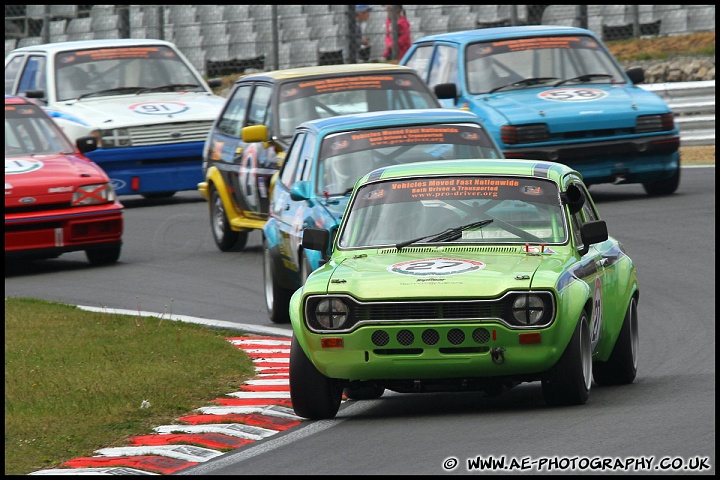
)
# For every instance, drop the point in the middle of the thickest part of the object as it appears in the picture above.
(663, 187)
(313, 395)
(277, 298)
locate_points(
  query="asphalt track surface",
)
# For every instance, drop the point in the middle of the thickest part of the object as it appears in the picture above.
(669, 412)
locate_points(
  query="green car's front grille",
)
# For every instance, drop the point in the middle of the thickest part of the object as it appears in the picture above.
(430, 311)
(357, 313)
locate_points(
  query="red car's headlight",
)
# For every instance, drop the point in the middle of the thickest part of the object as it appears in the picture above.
(93, 195)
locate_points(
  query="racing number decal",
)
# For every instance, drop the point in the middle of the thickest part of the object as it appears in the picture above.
(16, 166)
(248, 176)
(159, 108)
(596, 313)
(435, 267)
(573, 95)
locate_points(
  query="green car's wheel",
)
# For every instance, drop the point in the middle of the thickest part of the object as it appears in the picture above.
(568, 382)
(277, 298)
(313, 395)
(103, 256)
(621, 367)
(226, 238)
(663, 187)
(368, 392)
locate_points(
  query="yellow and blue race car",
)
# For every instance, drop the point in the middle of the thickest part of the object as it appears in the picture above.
(458, 275)
(248, 140)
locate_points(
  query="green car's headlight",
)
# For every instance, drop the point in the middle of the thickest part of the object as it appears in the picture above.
(528, 309)
(332, 313)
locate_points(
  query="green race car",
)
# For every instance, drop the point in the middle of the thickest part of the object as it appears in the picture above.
(464, 275)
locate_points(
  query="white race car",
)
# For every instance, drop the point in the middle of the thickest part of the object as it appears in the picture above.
(145, 102)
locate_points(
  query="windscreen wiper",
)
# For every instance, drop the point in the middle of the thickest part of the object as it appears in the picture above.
(583, 78)
(527, 82)
(170, 87)
(447, 235)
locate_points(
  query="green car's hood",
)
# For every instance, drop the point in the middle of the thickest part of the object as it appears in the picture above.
(425, 273)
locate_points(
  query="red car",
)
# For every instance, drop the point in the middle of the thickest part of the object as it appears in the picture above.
(56, 199)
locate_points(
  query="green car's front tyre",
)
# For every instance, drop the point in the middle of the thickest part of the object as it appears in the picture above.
(621, 367)
(569, 381)
(313, 395)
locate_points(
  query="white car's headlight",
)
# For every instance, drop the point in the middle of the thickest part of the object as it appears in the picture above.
(117, 137)
(93, 195)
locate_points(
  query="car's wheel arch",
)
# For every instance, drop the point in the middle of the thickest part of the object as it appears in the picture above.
(611, 330)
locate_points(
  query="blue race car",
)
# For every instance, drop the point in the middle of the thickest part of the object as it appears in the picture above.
(556, 93)
(324, 161)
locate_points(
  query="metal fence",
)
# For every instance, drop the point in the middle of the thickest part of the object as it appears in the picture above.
(228, 39)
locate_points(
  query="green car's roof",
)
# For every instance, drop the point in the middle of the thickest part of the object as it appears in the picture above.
(327, 70)
(536, 168)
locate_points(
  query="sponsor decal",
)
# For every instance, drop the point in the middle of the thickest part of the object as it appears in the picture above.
(17, 166)
(436, 267)
(60, 189)
(248, 177)
(540, 249)
(159, 108)
(597, 313)
(573, 95)
(117, 183)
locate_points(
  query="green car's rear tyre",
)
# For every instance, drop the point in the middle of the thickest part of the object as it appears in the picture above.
(621, 367)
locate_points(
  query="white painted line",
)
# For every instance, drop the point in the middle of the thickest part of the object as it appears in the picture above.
(272, 360)
(267, 350)
(260, 394)
(232, 429)
(278, 381)
(273, 370)
(261, 342)
(190, 453)
(271, 410)
(93, 471)
(245, 327)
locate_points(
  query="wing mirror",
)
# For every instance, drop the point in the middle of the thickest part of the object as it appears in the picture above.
(446, 91)
(636, 74)
(593, 232)
(301, 190)
(316, 239)
(254, 133)
(573, 198)
(86, 144)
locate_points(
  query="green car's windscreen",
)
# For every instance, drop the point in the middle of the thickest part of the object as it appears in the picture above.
(521, 210)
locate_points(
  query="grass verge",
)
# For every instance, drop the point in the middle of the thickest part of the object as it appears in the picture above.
(77, 381)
